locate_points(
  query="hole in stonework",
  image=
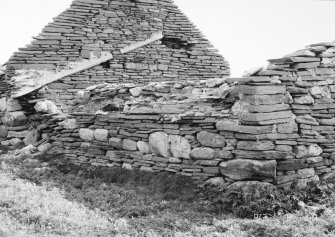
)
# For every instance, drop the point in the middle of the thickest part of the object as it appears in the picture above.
(176, 43)
(106, 65)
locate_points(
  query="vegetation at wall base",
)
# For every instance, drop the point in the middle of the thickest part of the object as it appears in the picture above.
(140, 204)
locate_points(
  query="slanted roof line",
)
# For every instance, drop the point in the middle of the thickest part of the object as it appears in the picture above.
(28, 85)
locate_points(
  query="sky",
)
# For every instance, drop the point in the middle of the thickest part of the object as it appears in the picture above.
(246, 32)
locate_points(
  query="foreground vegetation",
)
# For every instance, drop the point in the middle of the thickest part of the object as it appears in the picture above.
(47, 197)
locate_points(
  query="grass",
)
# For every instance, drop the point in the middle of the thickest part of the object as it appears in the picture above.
(45, 197)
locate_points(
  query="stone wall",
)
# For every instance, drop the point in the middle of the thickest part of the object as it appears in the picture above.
(90, 27)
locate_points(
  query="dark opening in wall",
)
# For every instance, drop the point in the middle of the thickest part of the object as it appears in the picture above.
(176, 43)
(106, 65)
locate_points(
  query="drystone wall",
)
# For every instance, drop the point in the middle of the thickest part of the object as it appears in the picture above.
(89, 28)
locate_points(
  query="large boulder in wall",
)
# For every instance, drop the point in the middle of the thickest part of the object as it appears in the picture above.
(14, 119)
(46, 107)
(159, 144)
(244, 169)
(180, 147)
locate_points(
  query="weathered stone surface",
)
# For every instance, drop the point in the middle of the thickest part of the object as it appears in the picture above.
(261, 90)
(14, 119)
(136, 92)
(242, 169)
(328, 122)
(304, 100)
(307, 119)
(211, 139)
(20, 134)
(13, 105)
(288, 128)
(256, 146)
(215, 82)
(115, 142)
(129, 145)
(302, 183)
(180, 147)
(204, 153)
(257, 117)
(127, 166)
(69, 124)
(264, 99)
(143, 147)
(3, 131)
(44, 148)
(314, 150)
(46, 107)
(229, 126)
(86, 134)
(267, 155)
(306, 173)
(313, 160)
(159, 144)
(101, 135)
(3, 104)
(300, 152)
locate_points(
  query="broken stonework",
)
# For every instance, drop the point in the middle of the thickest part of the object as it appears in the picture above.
(248, 169)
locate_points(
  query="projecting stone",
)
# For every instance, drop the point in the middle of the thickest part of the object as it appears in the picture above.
(328, 122)
(231, 127)
(129, 145)
(14, 119)
(46, 107)
(3, 131)
(204, 153)
(261, 90)
(216, 82)
(304, 100)
(143, 147)
(69, 124)
(180, 147)
(266, 155)
(267, 108)
(44, 148)
(307, 119)
(258, 117)
(101, 135)
(264, 99)
(86, 134)
(211, 139)
(136, 92)
(242, 169)
(159, 144)
(13, 105)
(306, 173)
(255, 146)
(314, 150)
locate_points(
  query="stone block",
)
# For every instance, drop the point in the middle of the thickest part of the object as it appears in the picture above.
(261, 90)
(204, 153)
(266, 155)
(46, 107)
(86, 134)
(115, 142)
(3, 131)
(129, 145)
(304, 100)
(231, 127)
(143, 147)
(307, 119)
(69, 124)
(180, 147)
(244, 169)
(258, 117)
(101, 135)
(14, 119)
(159, 144)
(256, 145)
(13, 105)
(306, 173)
(264, 99)
(211, 139)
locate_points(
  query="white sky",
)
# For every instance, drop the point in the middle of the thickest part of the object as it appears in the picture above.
(247, 32)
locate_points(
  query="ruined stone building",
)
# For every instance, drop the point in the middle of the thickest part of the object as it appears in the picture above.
(133, 84)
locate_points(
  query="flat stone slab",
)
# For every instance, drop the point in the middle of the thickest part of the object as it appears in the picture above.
(266, 155)
(256, 146)
(261, 90)
(211, 139)
(228, 126)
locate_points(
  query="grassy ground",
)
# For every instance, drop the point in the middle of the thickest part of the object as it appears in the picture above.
(42, 197)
